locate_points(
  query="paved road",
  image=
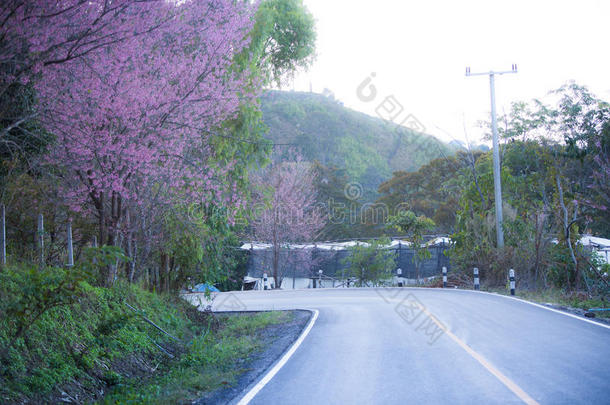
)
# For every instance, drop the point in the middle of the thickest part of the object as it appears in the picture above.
(433, 346)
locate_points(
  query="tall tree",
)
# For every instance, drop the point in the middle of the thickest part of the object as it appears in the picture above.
(415, 227)
(286, 210)
(138, 115)
(284, 38)
(344, 212)
(428, 191)
(370, 262)
(39, 35)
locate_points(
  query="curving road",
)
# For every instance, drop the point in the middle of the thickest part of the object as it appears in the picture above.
(433, 346)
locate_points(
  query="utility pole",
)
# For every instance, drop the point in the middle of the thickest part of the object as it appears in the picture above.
(496, 149)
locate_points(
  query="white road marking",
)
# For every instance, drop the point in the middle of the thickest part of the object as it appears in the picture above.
(271, 373)
(580, 318)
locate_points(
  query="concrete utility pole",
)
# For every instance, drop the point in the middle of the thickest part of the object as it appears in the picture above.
(496, 149)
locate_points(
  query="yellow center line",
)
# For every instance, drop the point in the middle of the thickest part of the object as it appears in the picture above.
(510, 384)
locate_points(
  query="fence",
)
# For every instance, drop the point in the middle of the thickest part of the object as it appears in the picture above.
(60, 239)
(305, 262)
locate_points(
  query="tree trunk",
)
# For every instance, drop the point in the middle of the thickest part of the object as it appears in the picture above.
(566, 228)
(165, 271)
(276, 253)
(131, 266)
(276, 265)
(112, 273)
(102, 218)
(157, 274)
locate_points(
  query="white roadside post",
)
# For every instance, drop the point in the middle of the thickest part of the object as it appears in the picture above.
(320, 278)
(444, 277)
(399, 274)
(476, 278)
(70, 249)
(264, 281)
(511, 276)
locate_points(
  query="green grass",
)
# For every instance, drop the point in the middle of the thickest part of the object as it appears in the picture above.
(89, 341)
(210, 362)
(560, 297)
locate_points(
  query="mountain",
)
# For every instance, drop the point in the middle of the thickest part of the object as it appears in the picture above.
(370, 149)
(461, 145)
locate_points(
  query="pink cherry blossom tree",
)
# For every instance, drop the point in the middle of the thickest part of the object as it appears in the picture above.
(132, 91)
(286, 210)
(37, 34)
(134, 117)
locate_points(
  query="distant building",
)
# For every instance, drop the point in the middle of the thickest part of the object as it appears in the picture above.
(600, 246)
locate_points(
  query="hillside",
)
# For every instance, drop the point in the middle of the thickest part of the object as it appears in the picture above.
(368, 148)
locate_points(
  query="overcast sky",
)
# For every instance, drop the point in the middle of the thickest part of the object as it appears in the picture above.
(419, 50)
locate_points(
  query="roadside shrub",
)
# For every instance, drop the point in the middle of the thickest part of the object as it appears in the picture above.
(57, 329)
(28, 292)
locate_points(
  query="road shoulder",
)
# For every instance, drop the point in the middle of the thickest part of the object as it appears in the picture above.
(276, 340)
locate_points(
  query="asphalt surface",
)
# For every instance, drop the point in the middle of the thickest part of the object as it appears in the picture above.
(432, 346)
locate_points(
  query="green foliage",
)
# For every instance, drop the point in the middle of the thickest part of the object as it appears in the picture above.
(88, 339)
(407, 223)
(553, 185)
(21, 137)
(209, 362)
(281, 41)
(331, 183)
(70, 330)
(527, 187)
(28, 292)
(560, 270)
(97, 260)
(284, 35)
(429, 191)
(203, 248)
(370, 263)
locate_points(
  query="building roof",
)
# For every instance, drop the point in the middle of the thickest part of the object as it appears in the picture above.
(588, 240)
(342, 245)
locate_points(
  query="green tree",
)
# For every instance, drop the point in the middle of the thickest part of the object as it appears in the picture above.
(407, 223)
(281, 42)
(554, 188)
(331, 183)
(430, 191)
(284, 38)
(370, 262)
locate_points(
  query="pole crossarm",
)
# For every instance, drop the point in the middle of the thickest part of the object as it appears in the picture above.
(492, 72)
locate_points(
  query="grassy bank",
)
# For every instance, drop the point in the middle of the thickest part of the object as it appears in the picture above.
(79, 343)
(211, 361)
(560, 298)
(571, 300)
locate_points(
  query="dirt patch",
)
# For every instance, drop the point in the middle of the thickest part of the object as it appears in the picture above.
(276, 339)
